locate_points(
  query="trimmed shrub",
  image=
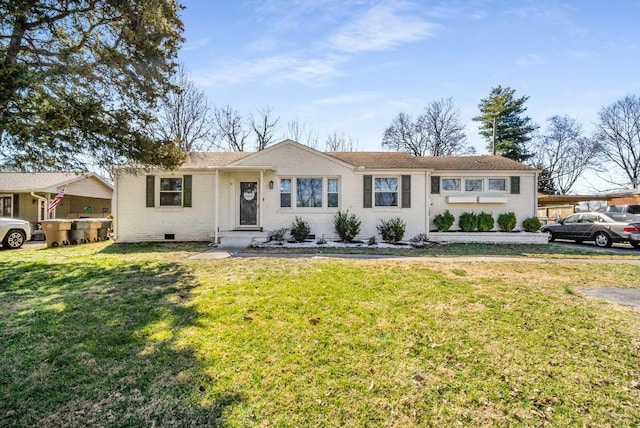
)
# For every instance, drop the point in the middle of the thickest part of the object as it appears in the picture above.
(300, 229)
(468, 222)
(485, 222)
(444, 221)
(419, 241)
(279, 234)
(507, 222)
(531, 224)
(392, 230)
(347, 226)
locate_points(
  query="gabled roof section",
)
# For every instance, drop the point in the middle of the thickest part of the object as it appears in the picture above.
(379, 160)
(43, 181)
(473, 163)
(285, 143)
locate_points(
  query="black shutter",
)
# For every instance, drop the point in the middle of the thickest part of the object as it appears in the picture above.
(16, 205)
(515, 185)
(151, 191)
(406, 191)
(435, 184)
(186, 189)
(366, 192)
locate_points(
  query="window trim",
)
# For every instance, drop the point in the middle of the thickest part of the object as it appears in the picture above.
(444, 189)
(294, 192)
(503, 179)
(474, 179)
(181, 191)
(397, 191)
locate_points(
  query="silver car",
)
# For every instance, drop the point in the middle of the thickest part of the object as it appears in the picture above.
(14, 232)
(602, 228)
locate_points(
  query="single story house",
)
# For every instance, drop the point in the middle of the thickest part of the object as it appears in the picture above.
(217, 195)
(27, 195)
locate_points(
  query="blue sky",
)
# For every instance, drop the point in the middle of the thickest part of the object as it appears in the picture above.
(352, 66)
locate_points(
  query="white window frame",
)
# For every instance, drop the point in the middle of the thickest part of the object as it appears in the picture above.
(504, 180)
(397, 191)
(294, 192)
(290, 192)
(171, 191)
(454, 179)
(474, 180)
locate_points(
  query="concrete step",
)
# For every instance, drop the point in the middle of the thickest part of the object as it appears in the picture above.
(241, 238)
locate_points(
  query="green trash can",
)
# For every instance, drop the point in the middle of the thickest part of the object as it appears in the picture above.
(56, 232)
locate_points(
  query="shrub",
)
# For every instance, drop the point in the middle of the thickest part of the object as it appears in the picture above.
(372, 241)
(444, 221)
(420, 240)
(347, 226)
(485, 222)
(507, 222)
(531, 224)
(392, 230)
(300, 229)
(279, 234)
(468, 222)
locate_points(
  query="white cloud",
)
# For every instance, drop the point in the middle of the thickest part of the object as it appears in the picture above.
(196, 44)
(308, 71)
(382, 27)
(529, 60)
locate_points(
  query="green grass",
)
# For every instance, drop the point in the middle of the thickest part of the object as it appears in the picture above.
(137, 335)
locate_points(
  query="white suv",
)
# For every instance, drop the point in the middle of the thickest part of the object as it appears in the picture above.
(14, 232)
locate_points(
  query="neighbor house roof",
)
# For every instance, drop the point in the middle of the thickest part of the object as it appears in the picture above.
(42, 181)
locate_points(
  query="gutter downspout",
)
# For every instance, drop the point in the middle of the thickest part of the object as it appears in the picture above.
(261, 199)
(427, 201)
(46, 204)
(215, 211)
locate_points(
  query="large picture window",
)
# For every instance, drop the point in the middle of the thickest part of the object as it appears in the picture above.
(386, 191)
(473, 185)
(171, 192)
(309, 192)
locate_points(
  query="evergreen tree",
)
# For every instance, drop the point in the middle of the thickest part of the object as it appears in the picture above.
(546, 184)
(503, 124)
(80, 80)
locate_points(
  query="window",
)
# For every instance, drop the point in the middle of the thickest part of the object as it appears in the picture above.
(386, 192)
(451, 184)
(5, 206)
(171, 192)
(309, 192)
(473, 185)
(497, 184)
(285, 192)
(332, 192)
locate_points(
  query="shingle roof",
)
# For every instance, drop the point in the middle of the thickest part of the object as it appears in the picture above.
(474, 163)
(198, 160)
(382, 160)
(42, 181)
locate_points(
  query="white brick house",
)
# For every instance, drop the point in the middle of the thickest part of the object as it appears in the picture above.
(213, 195)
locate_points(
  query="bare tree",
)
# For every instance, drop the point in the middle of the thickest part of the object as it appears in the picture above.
(436, 132)
(302, 133)
(229, 129)
(185, 116)
(264, 127)
(618, 132)
(340, 143)
(563, 152)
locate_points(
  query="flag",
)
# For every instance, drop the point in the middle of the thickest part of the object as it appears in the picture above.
(56, 200)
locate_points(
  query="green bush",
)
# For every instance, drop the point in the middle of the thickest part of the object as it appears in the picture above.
(531, 224)
(444, 221)
(485, 222)
(468, 222)
(507, 222)
(347, 226)
(392, 230)
(300, 229)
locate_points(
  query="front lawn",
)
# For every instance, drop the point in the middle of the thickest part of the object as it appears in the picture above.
(137, 335)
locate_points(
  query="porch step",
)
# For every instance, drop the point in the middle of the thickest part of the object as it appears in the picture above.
(241, 239)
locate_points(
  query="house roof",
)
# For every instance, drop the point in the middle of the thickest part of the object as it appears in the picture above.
(42, 181)
(382, 160)
(199, 160)
(474, 163)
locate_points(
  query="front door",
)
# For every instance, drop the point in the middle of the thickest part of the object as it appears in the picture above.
(248, 203)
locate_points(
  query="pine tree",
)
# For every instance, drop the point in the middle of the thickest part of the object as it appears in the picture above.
(503, 124)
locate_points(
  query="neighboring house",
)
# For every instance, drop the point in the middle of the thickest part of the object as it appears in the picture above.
(27, 195)
(214, 195)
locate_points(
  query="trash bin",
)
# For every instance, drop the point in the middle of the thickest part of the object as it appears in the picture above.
(84, 230)
(56, 232)
(105, 226)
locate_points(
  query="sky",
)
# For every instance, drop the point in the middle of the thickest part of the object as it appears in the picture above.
(352, 66)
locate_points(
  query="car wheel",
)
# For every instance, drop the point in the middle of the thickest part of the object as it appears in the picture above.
(14, 239)
(550, 237)
(602, 240)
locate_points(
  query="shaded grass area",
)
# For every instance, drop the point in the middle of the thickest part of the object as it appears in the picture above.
(136, 335)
